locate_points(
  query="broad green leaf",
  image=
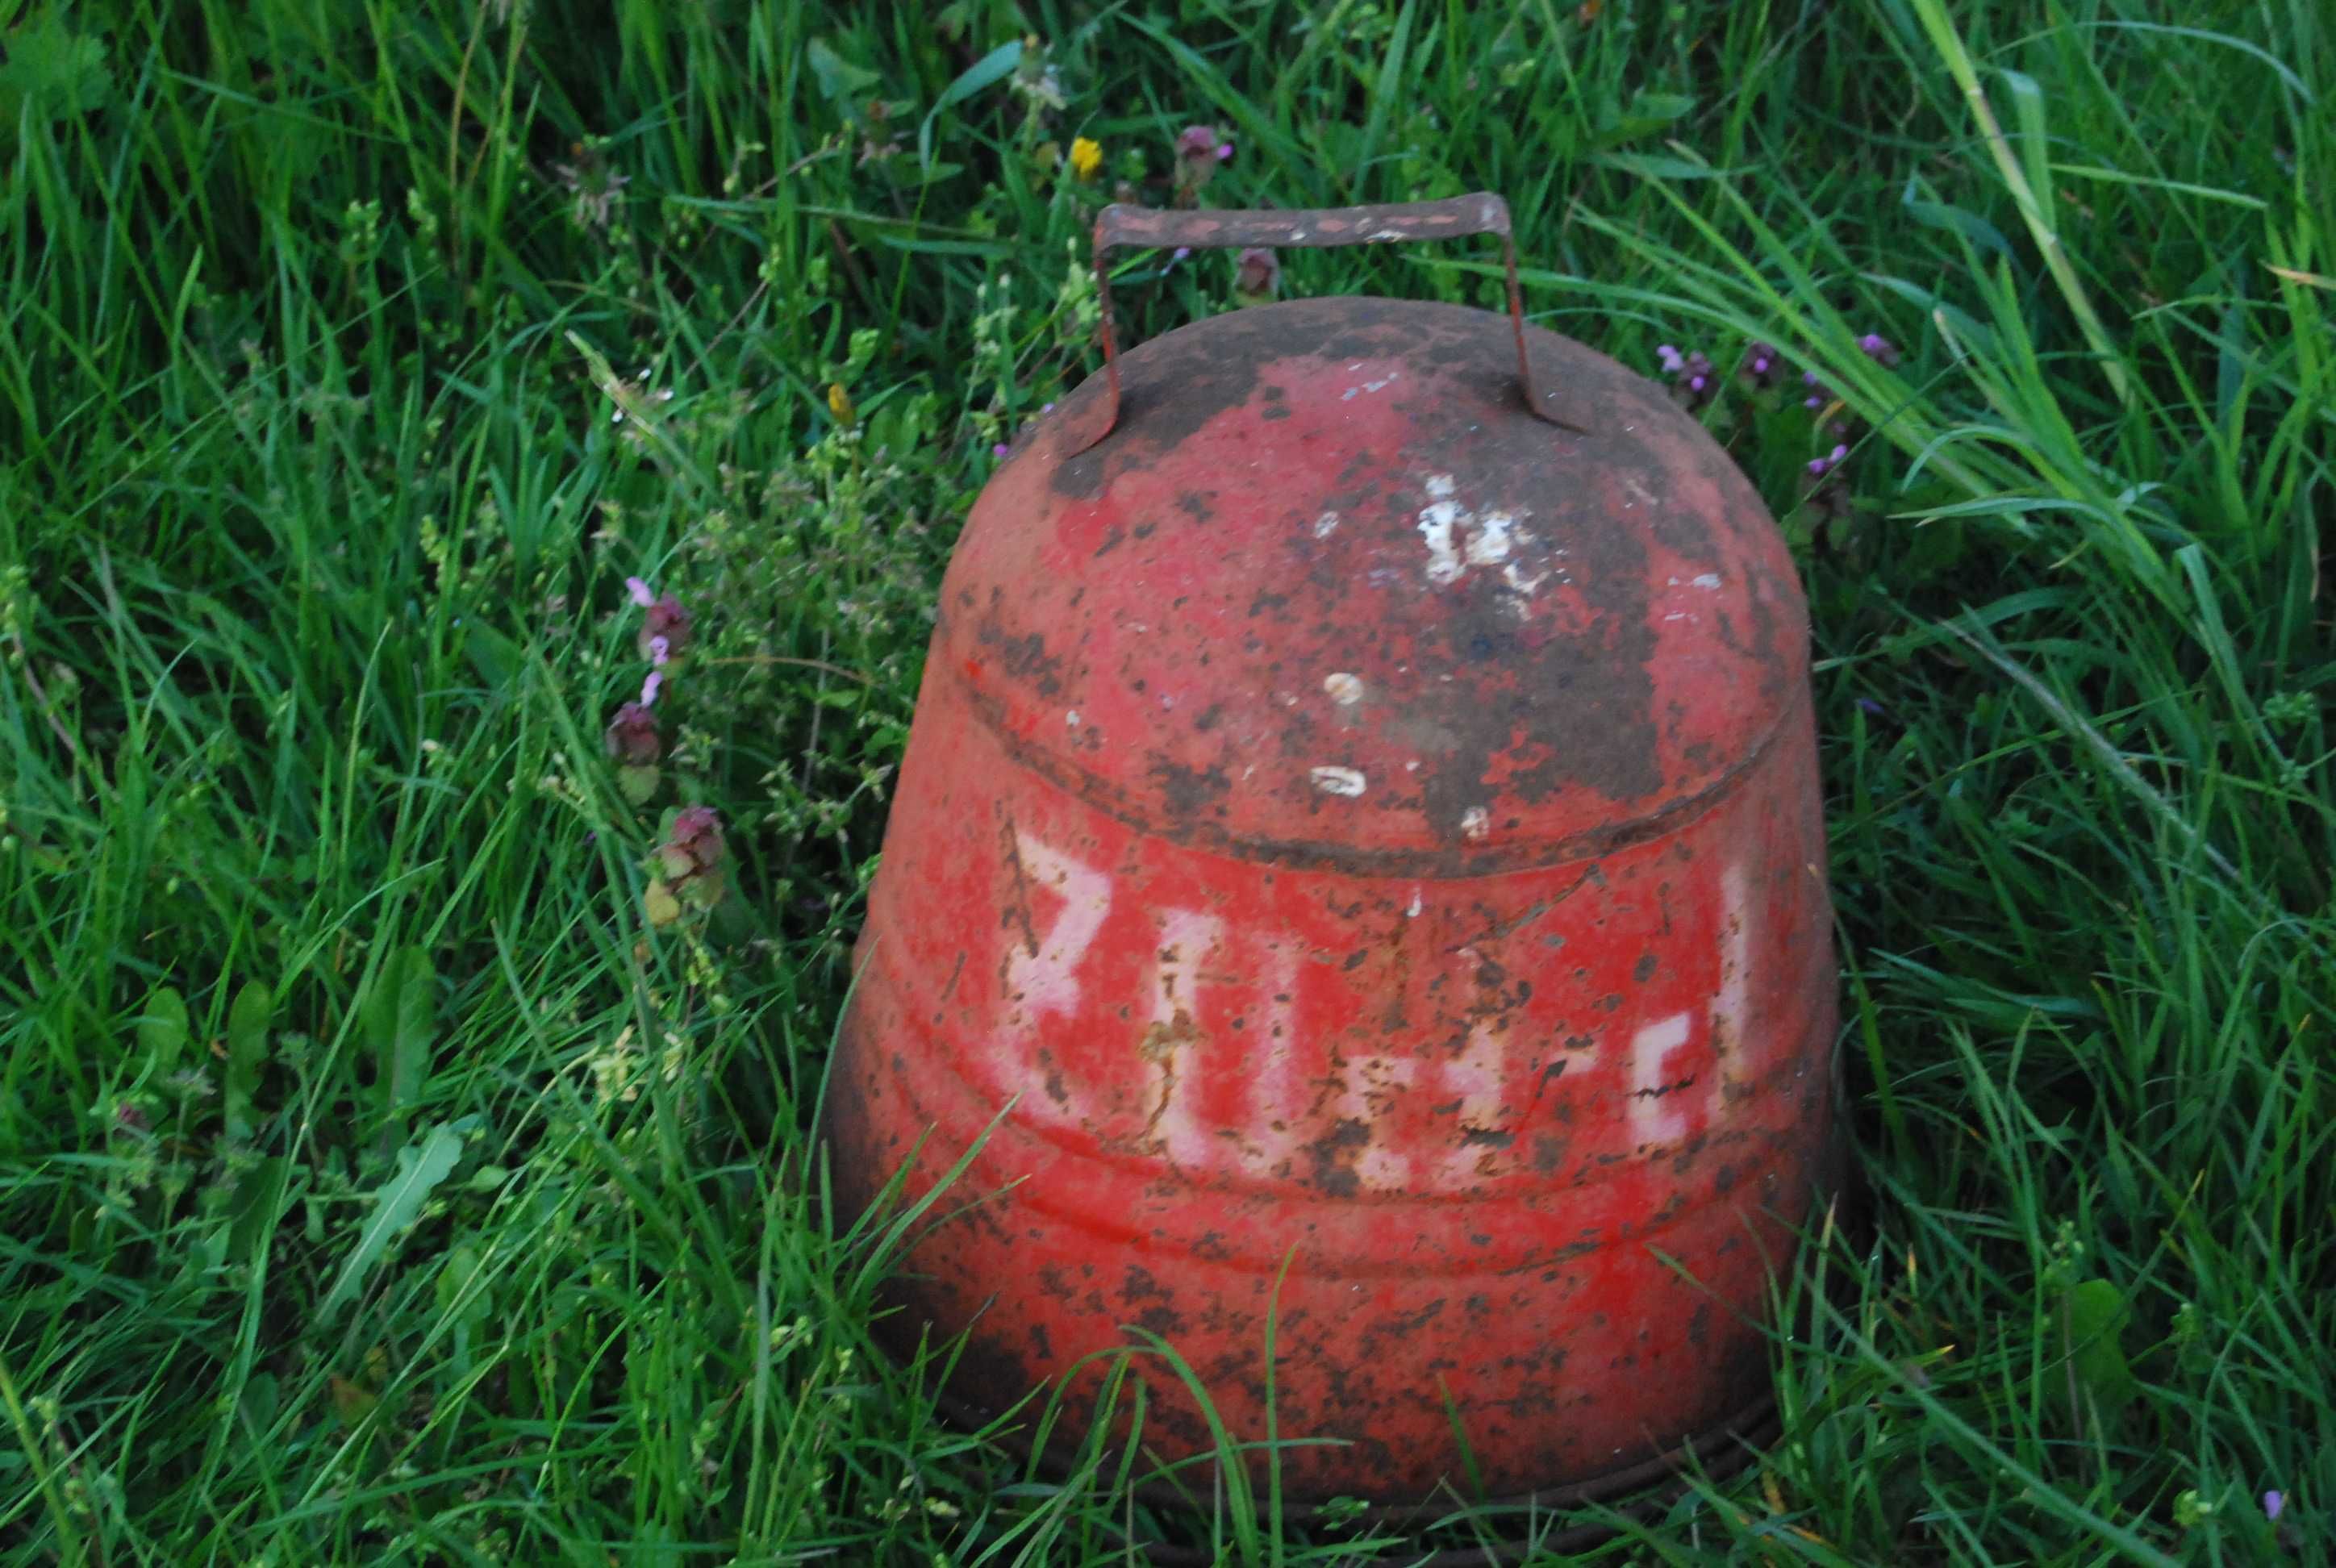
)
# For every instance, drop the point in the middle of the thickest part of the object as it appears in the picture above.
(255, 1210)
(840, 81)
(637, 781)
(247, 1053)
(495, 657)
(421, 1166)
(402, 1019)
(1647, 113)
(54, 73)
(2095, 1313)
(455, 1297)
(1652, 166)
(162, 1031)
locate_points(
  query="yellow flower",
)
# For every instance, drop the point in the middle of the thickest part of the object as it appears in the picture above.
(1086, 156)
(838, 402)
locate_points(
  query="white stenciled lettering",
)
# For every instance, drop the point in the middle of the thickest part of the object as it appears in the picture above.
(1042, 969)
(1271, 1138)
(1186, 937)
(1655, 1113)
(1477, 1076)
(1371, 1084)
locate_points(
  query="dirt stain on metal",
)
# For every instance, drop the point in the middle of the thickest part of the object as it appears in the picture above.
(1334, 1154)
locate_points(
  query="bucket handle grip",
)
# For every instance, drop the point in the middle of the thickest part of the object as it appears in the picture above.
(1310, 229)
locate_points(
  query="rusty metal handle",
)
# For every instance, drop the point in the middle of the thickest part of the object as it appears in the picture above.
(1311, 228)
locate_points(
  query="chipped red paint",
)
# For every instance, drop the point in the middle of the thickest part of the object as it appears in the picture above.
(1353, 819)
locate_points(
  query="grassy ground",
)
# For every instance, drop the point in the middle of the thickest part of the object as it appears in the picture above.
(375, 1184)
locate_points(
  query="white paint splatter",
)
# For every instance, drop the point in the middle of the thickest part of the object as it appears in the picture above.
(1707, 579)
(1344, 689)
(1071, 718)
(1496, 534)
(1475, 824)
(1326, 525)
(1413, 913)
(1458, 539)
(1339, 781)
(1437, 522)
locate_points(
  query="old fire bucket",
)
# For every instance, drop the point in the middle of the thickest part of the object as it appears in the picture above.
(1361, 815)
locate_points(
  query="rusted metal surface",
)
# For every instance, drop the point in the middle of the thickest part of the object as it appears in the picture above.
(1315, 227)
(1353, 821)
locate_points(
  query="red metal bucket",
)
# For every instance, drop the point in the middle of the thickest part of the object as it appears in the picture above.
(1362, 813)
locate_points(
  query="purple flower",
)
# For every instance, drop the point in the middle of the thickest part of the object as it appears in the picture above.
(1197, 157)
(999, 450)
(639, 591)
(1046, 408)
(1197, 142)
(693, 844)
(2274, 1503)
(1260, 274)
(1692, 381)
(1180, 253)
(1880, 350)
(1832, 460)
(632, 735)
(1763, 365)
(1871, 707)
(669, 623)
(650, 687)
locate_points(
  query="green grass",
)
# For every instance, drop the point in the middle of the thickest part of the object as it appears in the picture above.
(375, 1185)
